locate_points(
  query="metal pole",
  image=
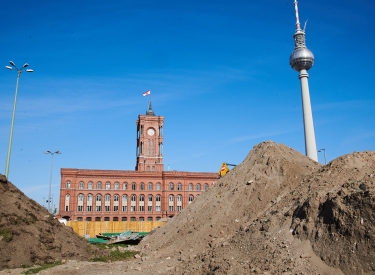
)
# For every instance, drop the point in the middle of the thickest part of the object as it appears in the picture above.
(325, 159)
(11, 127)
(50, 185)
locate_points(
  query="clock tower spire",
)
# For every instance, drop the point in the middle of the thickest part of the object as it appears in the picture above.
(150, 130)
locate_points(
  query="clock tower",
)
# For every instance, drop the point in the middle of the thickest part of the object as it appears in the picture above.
(150, 130)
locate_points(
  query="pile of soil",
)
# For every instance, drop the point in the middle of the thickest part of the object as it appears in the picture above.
(30, 235)
(278, 212)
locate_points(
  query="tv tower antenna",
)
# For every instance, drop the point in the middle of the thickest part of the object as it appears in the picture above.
(301, 60)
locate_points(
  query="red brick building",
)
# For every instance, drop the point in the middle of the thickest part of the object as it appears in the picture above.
(147, 194)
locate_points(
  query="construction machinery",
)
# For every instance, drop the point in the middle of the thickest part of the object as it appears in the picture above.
(224, 169)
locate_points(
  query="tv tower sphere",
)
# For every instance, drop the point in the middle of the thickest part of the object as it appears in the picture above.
(301, 58)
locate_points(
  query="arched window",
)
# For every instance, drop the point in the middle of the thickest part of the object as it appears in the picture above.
(149, 203)
(80, 185)
(179, 203)
(107, 206)
(179, 186)
(125, 186)
(68, 184)
(150, 186)
(158, 198)
(115, 197)
(116, 185)
(89, 203)
(124, 203)
(80, 202)
(190, 198)
(142, 186)
(80, 197)
(107, 185)
(89, 185)
(205, 186)
(171, 203)
(98, 203)
(67, 198)
(190, 187)
(141, 203)
(99, 185)
(133, 203)
(158, 186)
(133, 185)
(171, 186)
(198, 186)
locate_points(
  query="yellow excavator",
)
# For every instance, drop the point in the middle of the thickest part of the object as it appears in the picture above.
(224, 169)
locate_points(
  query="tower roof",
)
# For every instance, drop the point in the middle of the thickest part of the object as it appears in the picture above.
(150, 112)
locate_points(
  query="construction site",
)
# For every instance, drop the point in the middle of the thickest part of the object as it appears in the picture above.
(277, 212)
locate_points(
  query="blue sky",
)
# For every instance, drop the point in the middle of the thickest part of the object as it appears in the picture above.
(218, 71)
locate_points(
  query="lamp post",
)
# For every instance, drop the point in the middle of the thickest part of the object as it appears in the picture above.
(19, 71)
(50, 180)
(325, 160)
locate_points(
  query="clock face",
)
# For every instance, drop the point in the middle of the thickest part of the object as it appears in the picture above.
(150, 132)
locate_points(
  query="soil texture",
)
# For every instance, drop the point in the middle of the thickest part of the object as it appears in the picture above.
(30, 235)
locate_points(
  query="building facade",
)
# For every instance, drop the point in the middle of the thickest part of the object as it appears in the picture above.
(147, 194)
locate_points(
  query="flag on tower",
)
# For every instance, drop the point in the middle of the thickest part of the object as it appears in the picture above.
(147, 93)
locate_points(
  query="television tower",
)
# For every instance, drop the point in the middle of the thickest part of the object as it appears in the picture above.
(301, 60)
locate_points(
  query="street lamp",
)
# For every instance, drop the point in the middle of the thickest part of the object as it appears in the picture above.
(325, 160)
(19, 71)
(50, 180)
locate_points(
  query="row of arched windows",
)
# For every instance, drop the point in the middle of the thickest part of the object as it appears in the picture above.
(134, 186)
(94, 203)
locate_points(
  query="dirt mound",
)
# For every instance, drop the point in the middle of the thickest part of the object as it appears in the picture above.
(274, 214)
(30, 235)
(269, 171)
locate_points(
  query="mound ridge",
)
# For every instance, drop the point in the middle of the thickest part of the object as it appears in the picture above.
(30, 235)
